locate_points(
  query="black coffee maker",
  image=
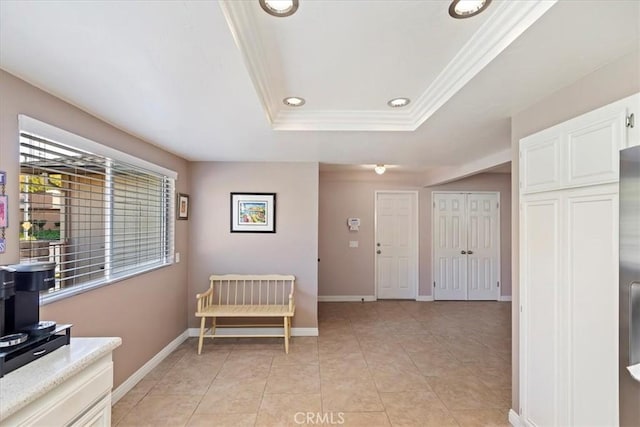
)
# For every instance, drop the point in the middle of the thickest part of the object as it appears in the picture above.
(23, 336)
(7, 290)
(22, 312)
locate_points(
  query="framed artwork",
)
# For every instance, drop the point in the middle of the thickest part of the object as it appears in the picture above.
(183, 206)
(3, 178)
(4, 212)
(253, 212)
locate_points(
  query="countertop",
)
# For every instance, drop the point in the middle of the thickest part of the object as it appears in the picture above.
(28, 383)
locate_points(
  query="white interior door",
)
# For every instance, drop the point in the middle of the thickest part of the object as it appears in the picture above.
(466, 246)
(483, 246)
(396, 245)
(450, 246)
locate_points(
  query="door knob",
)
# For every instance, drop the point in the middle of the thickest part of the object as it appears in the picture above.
(378, 251)
(470, 252)
(463, 252)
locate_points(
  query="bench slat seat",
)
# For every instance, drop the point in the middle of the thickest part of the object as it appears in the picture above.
(246, 311)
(238, 295)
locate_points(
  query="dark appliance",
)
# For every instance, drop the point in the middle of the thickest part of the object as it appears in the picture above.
(24, 337)
(7, 290)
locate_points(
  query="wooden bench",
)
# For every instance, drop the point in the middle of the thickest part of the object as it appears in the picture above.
(240, 295)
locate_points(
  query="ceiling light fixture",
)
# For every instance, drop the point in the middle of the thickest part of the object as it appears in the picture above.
(294, 101)
(379, 169)
(460, 9)
(398, 102)
(279, 8)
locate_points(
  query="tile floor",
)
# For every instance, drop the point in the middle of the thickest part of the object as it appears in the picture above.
(385, 363)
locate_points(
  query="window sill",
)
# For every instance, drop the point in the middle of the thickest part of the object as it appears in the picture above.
(86, 287)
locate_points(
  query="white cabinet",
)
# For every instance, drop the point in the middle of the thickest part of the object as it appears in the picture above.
(99, 415)
(69, 387)
(581, 151)
(540, 326)
(540, 163)
(569, 270)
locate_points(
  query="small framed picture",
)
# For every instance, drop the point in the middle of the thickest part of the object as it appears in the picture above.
(3, 245)
(183, 206)
(253, 212)
(4, 212)
(3, 178)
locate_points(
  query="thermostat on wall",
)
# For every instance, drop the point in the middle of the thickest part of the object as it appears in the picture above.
(353, 224)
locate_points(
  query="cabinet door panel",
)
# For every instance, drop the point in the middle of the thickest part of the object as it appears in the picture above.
(539, 281)
(593, 152)
(592, 273)
(540, 163)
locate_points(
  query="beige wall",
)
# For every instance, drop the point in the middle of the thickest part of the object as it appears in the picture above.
(608, 84)
(350, 271)
(122, 309)
(293, 249)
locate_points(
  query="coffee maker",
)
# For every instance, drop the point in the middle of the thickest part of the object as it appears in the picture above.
(24, 337)
(7, 290)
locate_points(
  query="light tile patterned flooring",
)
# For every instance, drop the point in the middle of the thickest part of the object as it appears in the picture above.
(385, 363)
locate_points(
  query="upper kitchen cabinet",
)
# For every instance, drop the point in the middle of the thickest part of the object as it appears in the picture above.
(582, 151)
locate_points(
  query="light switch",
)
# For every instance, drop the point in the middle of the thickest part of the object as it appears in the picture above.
(353, 243)
(177, 257)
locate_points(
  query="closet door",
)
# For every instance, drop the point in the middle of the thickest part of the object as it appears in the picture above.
(450, 246)
(483, 246)
(466, 245)
(541, 340)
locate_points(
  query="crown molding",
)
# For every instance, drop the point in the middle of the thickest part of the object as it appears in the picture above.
(243, 29)
(508, 21)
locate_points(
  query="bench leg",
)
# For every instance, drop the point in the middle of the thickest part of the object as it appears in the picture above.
(213, 327)
(202, 320)
(287, 332)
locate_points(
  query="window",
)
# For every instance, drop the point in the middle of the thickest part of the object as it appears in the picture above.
(100, 214)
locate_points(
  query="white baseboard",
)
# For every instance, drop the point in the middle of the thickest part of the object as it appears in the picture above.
(146, 368)
(424, 298)
(346, 298)
(504, 298)
(295, 332)
(514, 418)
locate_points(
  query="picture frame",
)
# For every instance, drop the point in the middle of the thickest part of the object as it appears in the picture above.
(3, 177)
(253, 212)
(182, 207)
(4, 211)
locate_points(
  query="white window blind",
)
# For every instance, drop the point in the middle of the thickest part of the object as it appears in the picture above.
(99, 218)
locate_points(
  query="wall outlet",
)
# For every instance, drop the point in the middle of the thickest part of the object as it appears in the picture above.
(353, 243)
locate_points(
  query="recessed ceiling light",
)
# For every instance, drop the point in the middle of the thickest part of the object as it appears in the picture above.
(293, 101)
(379, 169)
(279, 8)
(460, 9)
(398, 102)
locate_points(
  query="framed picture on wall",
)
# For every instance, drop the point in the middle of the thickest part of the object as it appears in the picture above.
(183, 206)
(253, 212)
(4, 212)
(3, 178)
